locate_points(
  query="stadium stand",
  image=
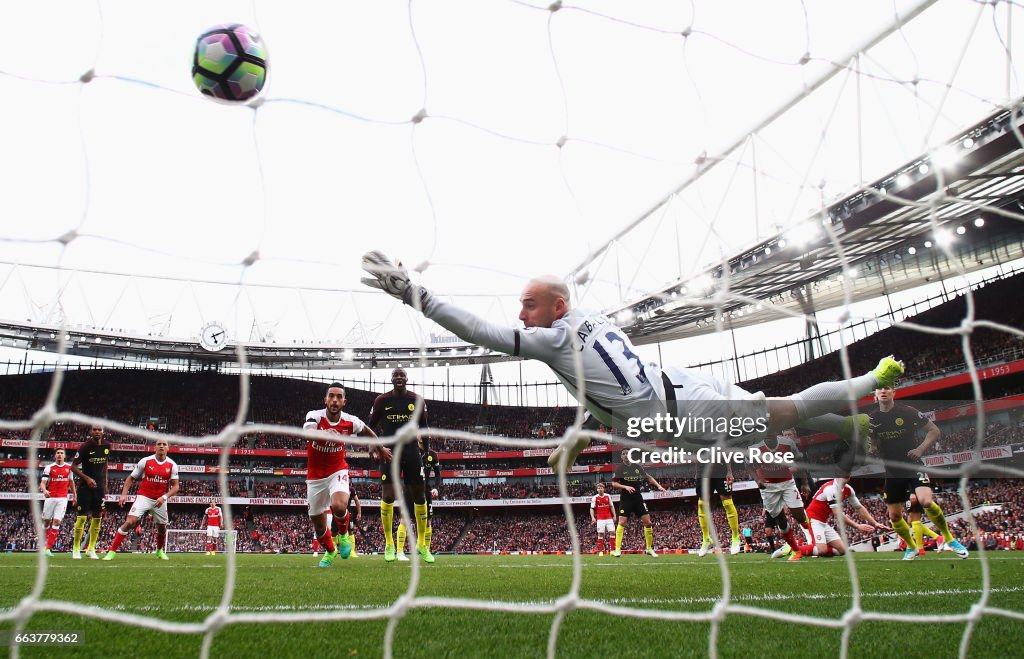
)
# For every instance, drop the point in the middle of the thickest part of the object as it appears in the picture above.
(201, 403)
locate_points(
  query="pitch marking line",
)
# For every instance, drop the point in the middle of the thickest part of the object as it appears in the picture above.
(745, 597)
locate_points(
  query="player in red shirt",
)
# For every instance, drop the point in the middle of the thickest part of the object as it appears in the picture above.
(55, 485)
(158, 476)
(829, 499)
(214, 517)
(602, 513)
(327, 482)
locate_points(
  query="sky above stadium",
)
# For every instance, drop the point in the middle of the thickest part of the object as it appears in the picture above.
(545, 132)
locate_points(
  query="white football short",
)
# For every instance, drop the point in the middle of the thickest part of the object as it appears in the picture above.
(319, 492)
(823, 532)
(701, 396)
(55, 507)
(212, 531)
(145, 505)
(777, 495)
(606, 526)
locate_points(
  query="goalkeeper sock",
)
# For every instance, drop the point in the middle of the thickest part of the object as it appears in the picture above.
(94, 532)
(619, 531)
(732, 516)
(428, 534)
(387, 518)
(401, 536)
(649, 537)
(420, 511)
(931, 534)
(939, 520)
(831, 423)
(118, 539)
(352, 541)
(903, 530)
(830, 396)
(79, 529)
(705, 537)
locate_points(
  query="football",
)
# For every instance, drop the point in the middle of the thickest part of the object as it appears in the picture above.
(229, 63)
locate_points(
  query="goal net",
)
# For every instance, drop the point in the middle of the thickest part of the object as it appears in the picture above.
(649, 152)
(192, 540)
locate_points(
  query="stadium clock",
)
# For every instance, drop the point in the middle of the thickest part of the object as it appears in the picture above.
(213, 337)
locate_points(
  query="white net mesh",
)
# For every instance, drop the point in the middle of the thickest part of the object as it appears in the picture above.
(119, 172)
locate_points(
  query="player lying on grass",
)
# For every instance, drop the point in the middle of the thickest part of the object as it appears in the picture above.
(830, 499)
(158, 477)
(620, 387)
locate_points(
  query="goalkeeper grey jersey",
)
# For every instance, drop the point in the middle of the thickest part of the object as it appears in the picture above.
(619, 384)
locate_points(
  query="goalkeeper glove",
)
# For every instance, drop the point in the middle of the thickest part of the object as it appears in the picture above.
(393, 279)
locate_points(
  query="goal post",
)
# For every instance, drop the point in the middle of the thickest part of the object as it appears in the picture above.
(184, 541)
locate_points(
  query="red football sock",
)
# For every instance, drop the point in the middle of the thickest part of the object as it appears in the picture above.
(118, 539)
(600, 544)
(327, 542)
(161, 538)
(828, 552)
(791, 540)
(807, 550)
(316, 545)
(343, 530)
(51, 537)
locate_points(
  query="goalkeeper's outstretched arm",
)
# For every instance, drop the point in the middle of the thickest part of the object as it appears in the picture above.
(535, 343)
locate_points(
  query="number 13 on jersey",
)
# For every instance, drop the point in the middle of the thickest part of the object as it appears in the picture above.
(617, 358)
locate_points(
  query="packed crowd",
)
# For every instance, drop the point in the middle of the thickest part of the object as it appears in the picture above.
(922, 353)
(286, 530)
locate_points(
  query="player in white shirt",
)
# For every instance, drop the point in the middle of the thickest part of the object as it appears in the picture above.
(828, 500)
(620, 386)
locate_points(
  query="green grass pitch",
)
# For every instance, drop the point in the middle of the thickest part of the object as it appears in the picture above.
(188, 587)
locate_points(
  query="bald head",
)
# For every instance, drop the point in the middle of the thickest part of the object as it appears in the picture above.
(545, 299)
(551, 284)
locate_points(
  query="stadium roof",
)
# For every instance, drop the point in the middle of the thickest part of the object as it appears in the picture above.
(890, 234)
(888, 240)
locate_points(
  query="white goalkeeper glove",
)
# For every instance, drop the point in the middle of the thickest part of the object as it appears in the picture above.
(392, 278)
